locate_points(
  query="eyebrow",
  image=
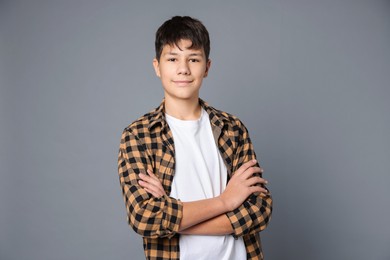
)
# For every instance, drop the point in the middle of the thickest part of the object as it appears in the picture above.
(175, 54)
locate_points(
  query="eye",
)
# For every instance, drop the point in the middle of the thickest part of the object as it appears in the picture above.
(194, 60)
(172, 59)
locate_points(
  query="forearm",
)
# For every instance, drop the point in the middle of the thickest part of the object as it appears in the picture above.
(221, 225)
(196, 212)
(217, 226)
(240, 186)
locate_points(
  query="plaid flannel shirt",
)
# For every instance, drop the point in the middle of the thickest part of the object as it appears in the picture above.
(148, 144)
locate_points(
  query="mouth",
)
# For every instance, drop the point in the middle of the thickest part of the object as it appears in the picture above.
(182, 82)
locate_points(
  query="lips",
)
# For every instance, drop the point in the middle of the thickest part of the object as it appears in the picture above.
(182, 82)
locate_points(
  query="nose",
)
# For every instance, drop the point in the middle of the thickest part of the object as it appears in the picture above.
(183, 68)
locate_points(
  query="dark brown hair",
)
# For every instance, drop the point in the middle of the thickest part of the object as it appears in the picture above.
(182, 28)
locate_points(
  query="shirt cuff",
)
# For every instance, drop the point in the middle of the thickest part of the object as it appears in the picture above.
(240, 220)
(172, 216)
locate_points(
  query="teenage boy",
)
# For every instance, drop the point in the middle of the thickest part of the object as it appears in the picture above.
(190, 180)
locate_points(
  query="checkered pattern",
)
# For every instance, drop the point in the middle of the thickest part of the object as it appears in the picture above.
(148, 144)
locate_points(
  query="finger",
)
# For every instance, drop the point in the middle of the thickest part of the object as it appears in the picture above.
(151, 188)
(145, 184)
(258, 189)
(255, 180)
(155, 194)
(160, 190)
(149, 179)
(153, 179)
(146, 179)
(245, 166)
(151, 183)
(143, 176)
(157, 181)
(151, 174)
(250, 171)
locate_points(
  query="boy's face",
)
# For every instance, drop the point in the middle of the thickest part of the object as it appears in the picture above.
(181, 70)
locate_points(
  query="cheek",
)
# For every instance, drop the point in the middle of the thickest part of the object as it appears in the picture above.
(165, 72)
(203, 73)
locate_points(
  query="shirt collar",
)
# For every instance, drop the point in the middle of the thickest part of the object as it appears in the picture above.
(157, 116)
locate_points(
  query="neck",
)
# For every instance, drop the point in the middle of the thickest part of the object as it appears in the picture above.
(183, 109)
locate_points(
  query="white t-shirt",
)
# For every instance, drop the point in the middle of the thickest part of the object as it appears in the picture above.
(200, 173)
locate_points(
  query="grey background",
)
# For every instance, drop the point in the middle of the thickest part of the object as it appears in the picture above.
(309, 78)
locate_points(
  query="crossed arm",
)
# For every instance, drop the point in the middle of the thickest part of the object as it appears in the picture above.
(207, 217)
(244, 208)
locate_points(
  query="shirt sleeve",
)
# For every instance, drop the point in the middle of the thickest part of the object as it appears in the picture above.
(148, 216)
(255, 213)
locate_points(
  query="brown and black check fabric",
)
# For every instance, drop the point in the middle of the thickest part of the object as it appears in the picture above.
(148, 144)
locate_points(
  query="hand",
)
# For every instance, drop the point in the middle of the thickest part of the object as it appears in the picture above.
(151, 184)
(242, 184)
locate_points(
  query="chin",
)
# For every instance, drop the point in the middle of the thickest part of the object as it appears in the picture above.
(183, 96)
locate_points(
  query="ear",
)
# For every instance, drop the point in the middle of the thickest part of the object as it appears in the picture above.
(156, 66)
(208, 64)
